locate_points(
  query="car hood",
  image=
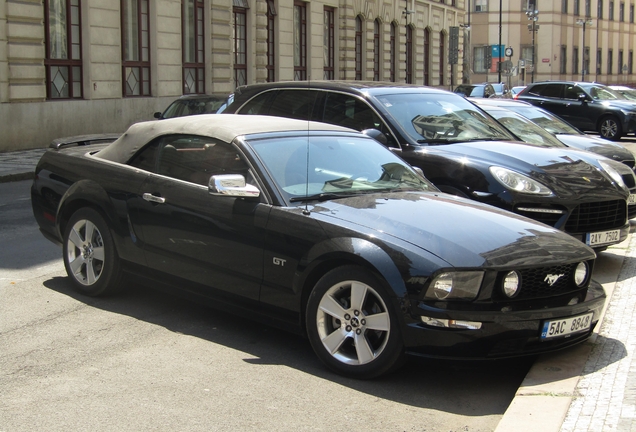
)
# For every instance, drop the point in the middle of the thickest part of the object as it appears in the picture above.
(596, 145)
(459, 231)
(620, 104)
(569, 173)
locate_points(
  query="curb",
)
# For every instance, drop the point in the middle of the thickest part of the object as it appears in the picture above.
(16, 177)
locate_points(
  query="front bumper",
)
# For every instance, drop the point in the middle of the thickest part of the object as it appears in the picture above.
(503, 333)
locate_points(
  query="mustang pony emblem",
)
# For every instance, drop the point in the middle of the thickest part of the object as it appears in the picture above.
(551, 279)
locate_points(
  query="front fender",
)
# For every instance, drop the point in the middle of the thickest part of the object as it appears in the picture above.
(336, 251)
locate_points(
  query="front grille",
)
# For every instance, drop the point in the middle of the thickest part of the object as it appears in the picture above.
(547, 218)
(631, 211)
(596, 216)
(535, 283)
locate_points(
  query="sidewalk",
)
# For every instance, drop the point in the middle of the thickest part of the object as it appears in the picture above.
(19, 165)
(589, 388)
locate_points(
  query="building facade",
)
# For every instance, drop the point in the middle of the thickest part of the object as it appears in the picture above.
(581, 40)
(71, 67)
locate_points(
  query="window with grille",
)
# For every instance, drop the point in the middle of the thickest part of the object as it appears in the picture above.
(63, 60)
(358, 49)
(135, 47)
(193, 47)
(564, 59)
(376, 50)
(393, 51)
(300, 41)
(240, 46)
(329, 44)
(271, 41)
(409, 55)
(427, 55)
(442, 58)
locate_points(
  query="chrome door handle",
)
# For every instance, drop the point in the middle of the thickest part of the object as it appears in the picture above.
(150, 197)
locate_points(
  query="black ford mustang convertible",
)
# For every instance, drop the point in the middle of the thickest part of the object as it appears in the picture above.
(318, 229)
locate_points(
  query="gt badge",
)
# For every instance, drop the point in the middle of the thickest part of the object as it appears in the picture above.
(279, 262)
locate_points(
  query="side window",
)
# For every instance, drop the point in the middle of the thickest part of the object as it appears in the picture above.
(551, 90)
(190, 158)
(296, 104)
(259, 104)
(572, 92)
(349, 111)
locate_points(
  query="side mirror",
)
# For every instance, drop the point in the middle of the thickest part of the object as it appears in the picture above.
(376, 135)
(157, 115)
(233, 185)
(419, 172)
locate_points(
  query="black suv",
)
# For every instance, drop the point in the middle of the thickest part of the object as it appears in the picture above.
(587, 106)
(462, 150)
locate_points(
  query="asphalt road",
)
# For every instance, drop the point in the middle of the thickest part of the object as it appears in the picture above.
(145, 360)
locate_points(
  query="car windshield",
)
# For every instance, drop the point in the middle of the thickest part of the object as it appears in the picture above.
(469, 90)
(628, 94)
(186, 107)
(330, 166)
(526, 130)
(600, 92)
(441, 118)
(549, 122)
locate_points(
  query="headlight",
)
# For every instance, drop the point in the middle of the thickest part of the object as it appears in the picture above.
(580, 274)
(455, 286)
(613, 172)
(518, 182)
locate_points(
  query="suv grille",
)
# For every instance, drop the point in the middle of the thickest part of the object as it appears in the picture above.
(597, 216)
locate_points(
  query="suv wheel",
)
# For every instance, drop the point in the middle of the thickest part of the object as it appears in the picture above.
(610, 128)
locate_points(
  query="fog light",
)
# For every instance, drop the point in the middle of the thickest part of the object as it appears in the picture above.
(447, 323)
(511, 284)
(580, 274)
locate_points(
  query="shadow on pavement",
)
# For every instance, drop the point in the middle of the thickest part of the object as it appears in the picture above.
(465, 388)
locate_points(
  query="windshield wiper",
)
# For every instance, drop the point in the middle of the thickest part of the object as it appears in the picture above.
(437, 141)
(324, 196)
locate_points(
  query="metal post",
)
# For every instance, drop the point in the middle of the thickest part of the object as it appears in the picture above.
(499, 46)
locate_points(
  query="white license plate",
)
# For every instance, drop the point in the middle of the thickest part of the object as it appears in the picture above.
(631, 199)
(602, 237)
(566, 326)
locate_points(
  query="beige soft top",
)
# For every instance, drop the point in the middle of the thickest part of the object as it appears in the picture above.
(225, 127)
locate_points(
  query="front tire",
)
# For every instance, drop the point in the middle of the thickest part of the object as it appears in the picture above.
(90, 258)
(351, 325)
(610, 128)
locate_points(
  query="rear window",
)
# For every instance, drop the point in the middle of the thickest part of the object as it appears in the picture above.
(547, 90)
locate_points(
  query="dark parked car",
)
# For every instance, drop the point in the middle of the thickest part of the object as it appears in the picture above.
(563, 131)
(502, 90)
(483, 90)
(532, 133)
(587, 106)
(626, 92)
(193, 105)
(319, 230)
(461, 149)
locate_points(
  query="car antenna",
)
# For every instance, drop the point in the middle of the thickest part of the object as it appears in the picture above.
(306, 211)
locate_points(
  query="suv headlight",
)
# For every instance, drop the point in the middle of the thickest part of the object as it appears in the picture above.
(518, 182)
(613, 171)
(455, 286)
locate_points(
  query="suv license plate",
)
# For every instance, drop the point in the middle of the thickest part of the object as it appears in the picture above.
(566, 326)
(631, 199)
(602, 237)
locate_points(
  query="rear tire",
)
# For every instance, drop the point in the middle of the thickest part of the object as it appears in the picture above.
(90, 258)
(352, 325)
